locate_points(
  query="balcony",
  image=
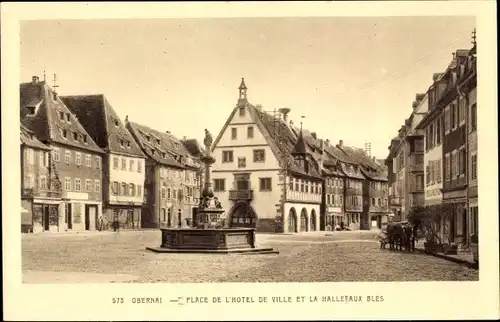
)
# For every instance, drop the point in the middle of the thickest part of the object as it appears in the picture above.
(240, 195)
(395, 201)
(416, 163)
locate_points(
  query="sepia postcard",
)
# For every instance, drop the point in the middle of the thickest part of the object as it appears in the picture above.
(250, 161)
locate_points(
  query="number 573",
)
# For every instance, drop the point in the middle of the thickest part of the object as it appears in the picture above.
(117, 300)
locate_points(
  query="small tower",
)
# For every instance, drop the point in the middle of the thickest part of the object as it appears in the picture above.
(299, 151)
(243, 90)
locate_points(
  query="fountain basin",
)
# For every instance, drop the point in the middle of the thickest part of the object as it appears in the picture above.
(222, 241)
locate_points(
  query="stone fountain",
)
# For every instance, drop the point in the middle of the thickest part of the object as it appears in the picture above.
(210, 234)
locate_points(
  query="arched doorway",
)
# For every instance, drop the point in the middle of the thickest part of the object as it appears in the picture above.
(313, 220)
(303, 220)
(292, 221)
(243, 215)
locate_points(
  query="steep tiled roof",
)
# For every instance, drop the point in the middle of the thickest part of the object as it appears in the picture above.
(370, 168)
(46, 115)
(193, 146)
(283, 138)
(162, 147)
(28, 138)
(100, 120)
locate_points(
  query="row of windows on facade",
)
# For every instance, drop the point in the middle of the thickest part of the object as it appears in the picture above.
(304, 186)
(265, 184)
(131, 164)
(454, 164)
(415, 146)
(433, 172)
(66, 117)
(379, 202)
(126, 189)
(68, 156)
(78, 185)
(176, 194)
(259, 156)
(453, 117)
(43, 182)
(234, 133)
(188, 176)
(30, 157)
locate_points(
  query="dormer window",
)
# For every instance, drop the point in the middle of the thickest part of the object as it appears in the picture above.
(68, 117)
(128, 144)
(61, 116)
(242, 111)
(31, 110)
(158, 141)
(64, 133)
(75, 136)
(164, 155)
(116, 122)
(84, 138)
(153, 151)
(121, 142)
(148, 138)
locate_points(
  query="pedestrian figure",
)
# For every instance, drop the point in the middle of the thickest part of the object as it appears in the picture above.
(341, 225)
(382, 237)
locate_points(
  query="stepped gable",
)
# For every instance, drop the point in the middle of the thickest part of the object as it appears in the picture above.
(100, 119)
(29, 139)
(44, 113)
(156, 145)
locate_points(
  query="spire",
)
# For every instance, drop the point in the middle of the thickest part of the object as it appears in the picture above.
(473, 41)
(300, 146)
(243, 89)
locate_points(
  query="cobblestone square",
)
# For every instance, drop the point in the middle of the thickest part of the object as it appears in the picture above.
(308, 257)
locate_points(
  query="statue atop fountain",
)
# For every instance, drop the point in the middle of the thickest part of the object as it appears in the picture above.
(210, 233)
(210, 208)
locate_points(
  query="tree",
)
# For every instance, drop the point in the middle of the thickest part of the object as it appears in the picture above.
(429, 220)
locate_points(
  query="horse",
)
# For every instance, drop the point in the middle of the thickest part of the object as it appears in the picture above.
(395, 235)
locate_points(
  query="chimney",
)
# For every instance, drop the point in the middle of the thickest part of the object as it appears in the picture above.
(184, 138)
(126, 118)
(373, 158)
(454, 57)
(168, 132)
(34, 80)
(435, 76)
(321, 145)
(341, 143)
(327, 142)
(313, 134)
(258, 107)
(414, 105)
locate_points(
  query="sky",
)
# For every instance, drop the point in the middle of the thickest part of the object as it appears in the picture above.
(353, 78)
